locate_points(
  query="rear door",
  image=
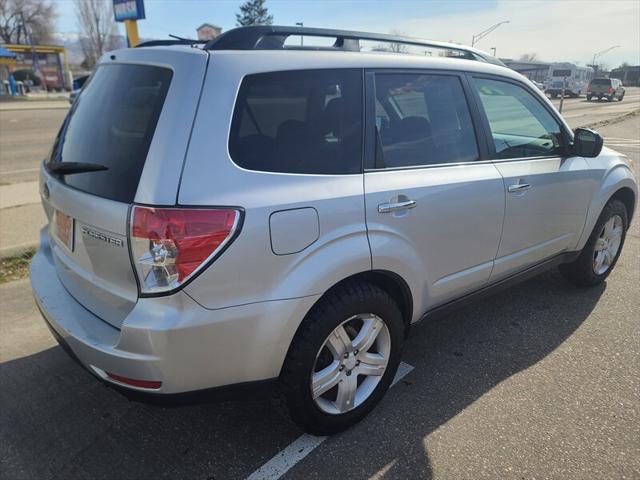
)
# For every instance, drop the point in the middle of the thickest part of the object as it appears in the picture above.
(547, 192)
(132, 120)
(434, 209)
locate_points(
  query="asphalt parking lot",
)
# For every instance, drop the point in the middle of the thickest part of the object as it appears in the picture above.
(540, 381)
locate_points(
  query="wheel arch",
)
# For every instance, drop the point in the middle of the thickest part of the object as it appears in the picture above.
(619, 184)
(392, 283)
(628, 198)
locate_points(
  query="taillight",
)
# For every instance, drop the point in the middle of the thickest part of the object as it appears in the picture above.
(589, 87)
(611, 90)
(171, 245)
(151, 384)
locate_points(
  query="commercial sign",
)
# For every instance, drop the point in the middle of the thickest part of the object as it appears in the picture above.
(128, 10)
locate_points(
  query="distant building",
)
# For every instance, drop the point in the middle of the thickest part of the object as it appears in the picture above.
(51, 62)
(538, 71)
(629, 75)
(206, 31)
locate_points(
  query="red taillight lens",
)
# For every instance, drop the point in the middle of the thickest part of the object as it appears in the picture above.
(152, 384)
(611, 90)
(170, 245)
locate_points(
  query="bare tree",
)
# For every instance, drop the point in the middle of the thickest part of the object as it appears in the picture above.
(18, 18)
(528, 57)
(98, 27)
(394, 47)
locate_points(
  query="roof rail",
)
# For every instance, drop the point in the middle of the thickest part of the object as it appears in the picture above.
(271, 37)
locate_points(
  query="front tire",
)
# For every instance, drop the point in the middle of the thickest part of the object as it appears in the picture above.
(601, 252)
(343, 358)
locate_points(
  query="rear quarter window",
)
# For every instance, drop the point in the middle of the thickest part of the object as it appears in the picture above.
(307, 122)
(112, 124)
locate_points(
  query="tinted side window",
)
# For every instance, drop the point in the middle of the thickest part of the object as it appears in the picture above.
(422, 120)
(520, 125)
(307, 121)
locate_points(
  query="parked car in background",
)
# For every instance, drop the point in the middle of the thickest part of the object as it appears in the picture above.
(78, 83)
(251, 212)
(575, 79)
(28, 77)
(609, 88)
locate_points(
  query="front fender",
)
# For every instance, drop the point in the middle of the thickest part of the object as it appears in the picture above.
(618, 176)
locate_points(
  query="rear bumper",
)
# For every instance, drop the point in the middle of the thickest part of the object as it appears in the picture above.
(171, 339)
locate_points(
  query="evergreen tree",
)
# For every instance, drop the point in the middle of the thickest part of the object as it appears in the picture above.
(253, 12)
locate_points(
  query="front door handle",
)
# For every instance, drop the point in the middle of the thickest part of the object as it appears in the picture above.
(394, 207)
(519, 187)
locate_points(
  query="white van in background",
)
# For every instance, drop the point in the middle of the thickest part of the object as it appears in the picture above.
(577, 79)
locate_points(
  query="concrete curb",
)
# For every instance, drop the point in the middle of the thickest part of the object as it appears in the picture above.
(17, 250)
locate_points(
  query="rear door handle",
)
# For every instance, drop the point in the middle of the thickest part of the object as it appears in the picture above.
(519, 187)
(394, 207)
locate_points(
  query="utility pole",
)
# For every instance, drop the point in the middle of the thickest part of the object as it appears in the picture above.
(599, 54)
(34, 54)
(479, 36)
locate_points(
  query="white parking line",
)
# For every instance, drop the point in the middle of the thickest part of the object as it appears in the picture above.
(304, 445)
(21, 170)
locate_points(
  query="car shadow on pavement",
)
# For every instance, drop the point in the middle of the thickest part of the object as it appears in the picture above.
(57, 421)
(457, 359)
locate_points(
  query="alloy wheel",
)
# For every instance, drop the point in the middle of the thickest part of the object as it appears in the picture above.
(350, 364)
(607, 245)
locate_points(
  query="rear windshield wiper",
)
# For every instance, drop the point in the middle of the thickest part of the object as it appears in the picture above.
(69, 168)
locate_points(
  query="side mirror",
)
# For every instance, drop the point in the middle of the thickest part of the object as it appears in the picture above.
(587, 143)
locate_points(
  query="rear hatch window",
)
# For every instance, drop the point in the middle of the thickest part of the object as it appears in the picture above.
(112, 124)
(601, 81)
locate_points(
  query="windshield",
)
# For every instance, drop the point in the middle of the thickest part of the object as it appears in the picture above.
(601, 81)
(111, 124)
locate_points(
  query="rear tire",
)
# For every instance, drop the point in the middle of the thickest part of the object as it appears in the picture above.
(588, 98)
(320, 346)
(601, 252)
(621, 97)
(610, 98)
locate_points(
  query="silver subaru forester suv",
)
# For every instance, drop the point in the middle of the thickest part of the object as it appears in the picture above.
(246, 211)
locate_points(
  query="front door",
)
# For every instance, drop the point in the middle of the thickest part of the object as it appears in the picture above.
(547, 192)
(434, 211)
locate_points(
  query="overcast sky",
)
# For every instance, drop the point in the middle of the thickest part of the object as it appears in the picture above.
(556, 30)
